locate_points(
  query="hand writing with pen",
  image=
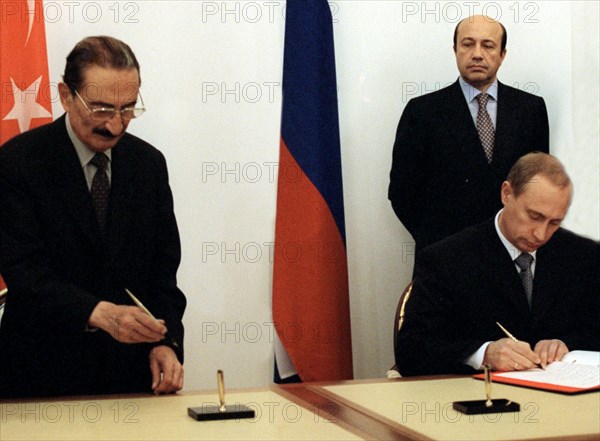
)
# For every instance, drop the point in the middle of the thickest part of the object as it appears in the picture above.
(135, 324)
(510, 354)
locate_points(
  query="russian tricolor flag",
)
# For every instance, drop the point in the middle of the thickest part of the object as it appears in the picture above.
(311, 307)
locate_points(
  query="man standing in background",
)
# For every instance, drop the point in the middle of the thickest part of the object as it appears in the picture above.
(87, 212)
(454, 147)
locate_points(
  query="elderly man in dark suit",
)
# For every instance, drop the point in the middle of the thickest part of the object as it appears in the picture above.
(519, 269)
(86, 213)
(452, 152)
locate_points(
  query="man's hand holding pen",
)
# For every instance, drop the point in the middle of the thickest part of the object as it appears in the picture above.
(127, 324)
(507, 354)
(545, 352)
(135, 324)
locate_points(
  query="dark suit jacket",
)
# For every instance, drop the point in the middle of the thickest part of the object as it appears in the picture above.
(441, 182)
(468, 282)
(58, 265)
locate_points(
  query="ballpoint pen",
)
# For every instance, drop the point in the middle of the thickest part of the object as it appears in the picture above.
(513, 338)
(210, 412)
(143, 308)
(221, 386)
(488, 385)
(508, 334)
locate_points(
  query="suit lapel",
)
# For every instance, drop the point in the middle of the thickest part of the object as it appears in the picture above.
(69, 181)
(122, 201)
(503, 274)
(545, 291)
(462, 126)
(72, 189)
(506, 121)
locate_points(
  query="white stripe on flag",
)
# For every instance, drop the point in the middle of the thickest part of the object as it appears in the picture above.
(284, 363)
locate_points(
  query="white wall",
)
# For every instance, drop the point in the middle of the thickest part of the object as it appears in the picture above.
(212, 85)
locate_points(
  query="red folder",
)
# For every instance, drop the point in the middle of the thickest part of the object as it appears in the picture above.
(498, 377)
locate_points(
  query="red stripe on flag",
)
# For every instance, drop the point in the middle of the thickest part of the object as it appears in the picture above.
(310, 279)
(26, 92)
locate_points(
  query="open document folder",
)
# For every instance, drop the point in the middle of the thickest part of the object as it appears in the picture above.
(577, 371)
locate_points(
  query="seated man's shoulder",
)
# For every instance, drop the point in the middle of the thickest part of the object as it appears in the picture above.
(462, 241)
(28, 154)
(457, 255)
(566, 241)
(139, 148)
(30, 142)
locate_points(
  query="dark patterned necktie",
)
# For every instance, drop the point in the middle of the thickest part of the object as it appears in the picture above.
(485, 128)
(524, 261)
(100, 188)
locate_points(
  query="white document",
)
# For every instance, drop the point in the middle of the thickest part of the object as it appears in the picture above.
(577, 369)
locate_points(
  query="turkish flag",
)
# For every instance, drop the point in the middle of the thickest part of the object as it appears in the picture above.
(26, 93)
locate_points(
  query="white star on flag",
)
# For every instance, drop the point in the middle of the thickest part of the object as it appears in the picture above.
(23, 57)
(26, 106)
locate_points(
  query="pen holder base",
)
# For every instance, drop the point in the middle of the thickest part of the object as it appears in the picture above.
(477, 407)
(211, 412)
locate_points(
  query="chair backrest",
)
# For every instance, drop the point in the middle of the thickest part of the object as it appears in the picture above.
(398, 321)
(3, 293)
(400, 310)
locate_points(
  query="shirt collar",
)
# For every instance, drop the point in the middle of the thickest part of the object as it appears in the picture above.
(84, 154)
(471, 92)
(510, 248)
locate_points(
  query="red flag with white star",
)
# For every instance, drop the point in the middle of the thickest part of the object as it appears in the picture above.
(25, 95)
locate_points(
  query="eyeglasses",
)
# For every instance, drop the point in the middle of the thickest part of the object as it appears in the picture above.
(106, 113)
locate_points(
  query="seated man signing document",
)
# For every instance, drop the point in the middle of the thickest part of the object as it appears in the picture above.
(519, 269)
(87, 212)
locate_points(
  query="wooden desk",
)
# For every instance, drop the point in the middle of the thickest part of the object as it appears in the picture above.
(399, 409)
(165, 418)
(421, 409)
